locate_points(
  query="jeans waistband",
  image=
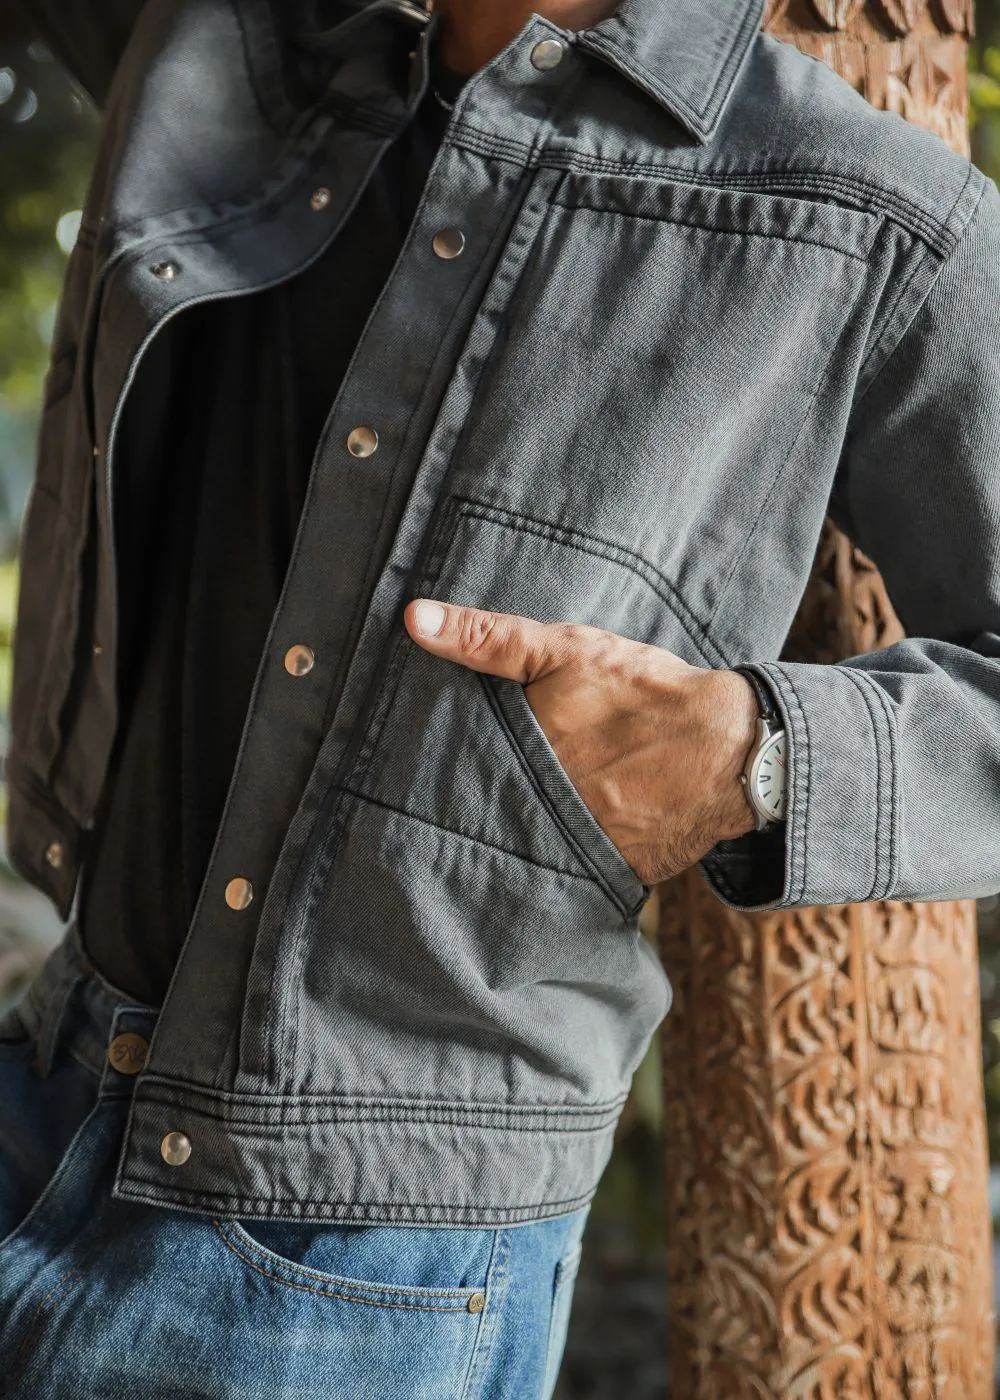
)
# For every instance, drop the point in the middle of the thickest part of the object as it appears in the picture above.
(69, 1005)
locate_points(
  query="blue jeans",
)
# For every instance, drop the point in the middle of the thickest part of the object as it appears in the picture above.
(102, 1298)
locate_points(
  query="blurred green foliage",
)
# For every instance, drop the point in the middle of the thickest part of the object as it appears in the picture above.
(47, 137)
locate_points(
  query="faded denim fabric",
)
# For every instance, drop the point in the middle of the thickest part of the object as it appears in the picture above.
(707, 294)
(108, 1299)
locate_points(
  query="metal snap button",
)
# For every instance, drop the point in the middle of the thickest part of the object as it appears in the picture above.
(476, 1303)
(239, 892)
(362, 442)
(175, 1149)
(448, 242)
(299, 660)
(320, 198)
(54, 854)
(548, 54)
(166, 271)
(127, 1052)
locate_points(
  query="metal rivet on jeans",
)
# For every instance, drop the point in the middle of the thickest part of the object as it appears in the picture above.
(320, 198)
(548, 54)
(239, 892)
(362, 442)
(54, 854)
(448, 242)
(166, 271)
(299, 660)
(476, 1303)
(127, 1052)
(175, 1149)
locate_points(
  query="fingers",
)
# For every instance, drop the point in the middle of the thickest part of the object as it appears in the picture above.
(500, 644)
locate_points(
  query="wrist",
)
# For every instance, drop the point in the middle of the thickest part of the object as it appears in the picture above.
(733, 712)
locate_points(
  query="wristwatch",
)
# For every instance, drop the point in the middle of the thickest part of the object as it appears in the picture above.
(765, 774)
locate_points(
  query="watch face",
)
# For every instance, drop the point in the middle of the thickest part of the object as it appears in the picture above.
(769, 777)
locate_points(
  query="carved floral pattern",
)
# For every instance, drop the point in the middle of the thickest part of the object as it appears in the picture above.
(829, 1234)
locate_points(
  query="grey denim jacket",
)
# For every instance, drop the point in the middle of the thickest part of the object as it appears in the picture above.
(707, 294)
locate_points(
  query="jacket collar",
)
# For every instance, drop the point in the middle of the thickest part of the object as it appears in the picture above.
(686, 54)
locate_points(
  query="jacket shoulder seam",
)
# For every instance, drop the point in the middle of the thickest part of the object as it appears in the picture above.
(900, 309)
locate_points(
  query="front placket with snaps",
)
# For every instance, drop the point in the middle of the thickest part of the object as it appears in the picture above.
(375, 482)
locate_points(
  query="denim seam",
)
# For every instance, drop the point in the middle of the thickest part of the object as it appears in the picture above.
(337, 1292)
(233, 1230)
(279, 1056)
(497, 1283)
(367, 763)
(889, 321)
(863, 196)
(895, 810)
(338, 1210)
(508, 269)
(867, 701)
(583, 875)
(351, 1109)
(796, 710)
(596, 872)
(960, 215)
(715, 228)
(603, 549)
(791, 183)
(464, 134)
(945, 261)
(887, 745)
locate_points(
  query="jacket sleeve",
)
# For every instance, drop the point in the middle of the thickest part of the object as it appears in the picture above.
(895, 755)
(87, 36)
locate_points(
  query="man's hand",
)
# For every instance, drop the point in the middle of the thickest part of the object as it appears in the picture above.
(654, 746)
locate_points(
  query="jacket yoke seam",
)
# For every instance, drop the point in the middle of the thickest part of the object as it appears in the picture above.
(708, 227)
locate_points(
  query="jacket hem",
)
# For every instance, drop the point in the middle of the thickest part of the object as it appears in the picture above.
(364, 1161)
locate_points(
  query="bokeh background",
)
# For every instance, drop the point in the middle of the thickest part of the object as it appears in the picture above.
(48, 132)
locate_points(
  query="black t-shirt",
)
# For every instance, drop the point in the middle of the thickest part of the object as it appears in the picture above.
(205, 553)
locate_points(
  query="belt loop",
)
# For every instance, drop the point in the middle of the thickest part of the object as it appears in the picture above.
(50, 1022)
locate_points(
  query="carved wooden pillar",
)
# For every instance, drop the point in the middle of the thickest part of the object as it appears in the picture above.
(829, 1233)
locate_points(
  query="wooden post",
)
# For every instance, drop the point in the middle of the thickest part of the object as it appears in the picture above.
(829, 1230)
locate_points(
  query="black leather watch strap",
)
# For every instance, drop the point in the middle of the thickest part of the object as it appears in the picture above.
(765, 699)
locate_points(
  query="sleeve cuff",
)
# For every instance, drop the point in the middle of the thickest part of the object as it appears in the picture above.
(838, 843)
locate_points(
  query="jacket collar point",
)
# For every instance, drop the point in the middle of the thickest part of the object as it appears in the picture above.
(685, 54)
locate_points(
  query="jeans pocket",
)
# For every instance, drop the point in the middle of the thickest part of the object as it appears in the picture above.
(376, 1310)
(562, 1303)
(338, 1261)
